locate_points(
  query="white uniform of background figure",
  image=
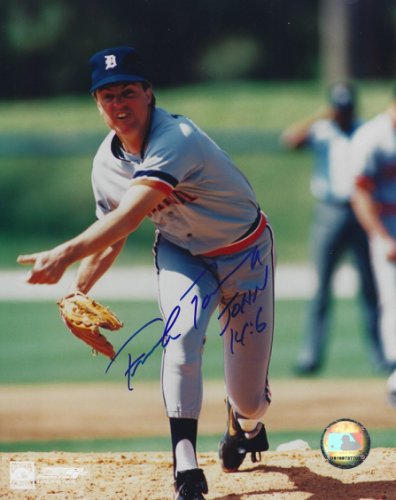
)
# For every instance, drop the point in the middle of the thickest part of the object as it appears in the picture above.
(374, 158)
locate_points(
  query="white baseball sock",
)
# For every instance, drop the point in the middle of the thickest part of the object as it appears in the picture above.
(185, 456)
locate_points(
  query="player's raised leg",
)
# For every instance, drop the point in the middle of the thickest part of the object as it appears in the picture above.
(247, 329)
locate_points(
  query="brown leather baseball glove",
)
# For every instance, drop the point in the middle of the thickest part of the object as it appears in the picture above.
(84, 316)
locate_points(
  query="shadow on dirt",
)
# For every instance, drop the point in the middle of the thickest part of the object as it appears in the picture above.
(320, 487)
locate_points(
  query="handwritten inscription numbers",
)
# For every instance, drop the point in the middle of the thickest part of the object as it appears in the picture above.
(238, 315)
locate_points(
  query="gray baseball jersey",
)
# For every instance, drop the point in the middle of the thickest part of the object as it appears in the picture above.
(208, 202)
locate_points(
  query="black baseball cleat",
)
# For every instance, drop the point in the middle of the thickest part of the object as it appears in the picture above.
(190, 485)
(235, 445)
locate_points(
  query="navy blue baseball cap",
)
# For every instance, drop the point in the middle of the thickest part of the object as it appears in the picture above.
(342, 96)
(116, 65)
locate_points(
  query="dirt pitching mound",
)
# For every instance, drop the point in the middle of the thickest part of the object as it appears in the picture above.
(280, 475)
(94, 411)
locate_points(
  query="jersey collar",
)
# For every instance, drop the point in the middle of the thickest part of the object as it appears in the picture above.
(120, 153)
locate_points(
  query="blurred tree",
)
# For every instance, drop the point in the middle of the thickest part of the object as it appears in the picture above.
(33, 26)
(334, 25)
(30, 29)
(45, 44)
(373, 42)
(182, 41)
(357, 39)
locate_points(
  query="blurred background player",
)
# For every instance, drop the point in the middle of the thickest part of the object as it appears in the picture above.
(335, 228)
(374, 200)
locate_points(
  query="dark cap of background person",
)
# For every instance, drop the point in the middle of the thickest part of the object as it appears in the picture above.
(116, 65)
(342, 96)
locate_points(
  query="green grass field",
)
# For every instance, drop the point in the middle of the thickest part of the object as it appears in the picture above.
(36, 347)
(379, 439)
(230, 105)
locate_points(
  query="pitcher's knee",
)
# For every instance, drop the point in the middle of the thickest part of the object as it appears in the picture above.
(251, 408)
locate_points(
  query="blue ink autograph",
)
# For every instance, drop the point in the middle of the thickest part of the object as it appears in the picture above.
(239, 337)
(231, 309)
(133, 364)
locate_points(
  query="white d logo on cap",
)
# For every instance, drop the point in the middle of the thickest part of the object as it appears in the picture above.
(110, 61)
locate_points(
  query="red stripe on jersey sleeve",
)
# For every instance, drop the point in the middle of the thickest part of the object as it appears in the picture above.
(365, 183)
(154, 183)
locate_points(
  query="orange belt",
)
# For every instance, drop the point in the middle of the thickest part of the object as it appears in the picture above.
(242, 243)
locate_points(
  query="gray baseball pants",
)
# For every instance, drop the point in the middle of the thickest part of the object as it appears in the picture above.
(239, 290)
